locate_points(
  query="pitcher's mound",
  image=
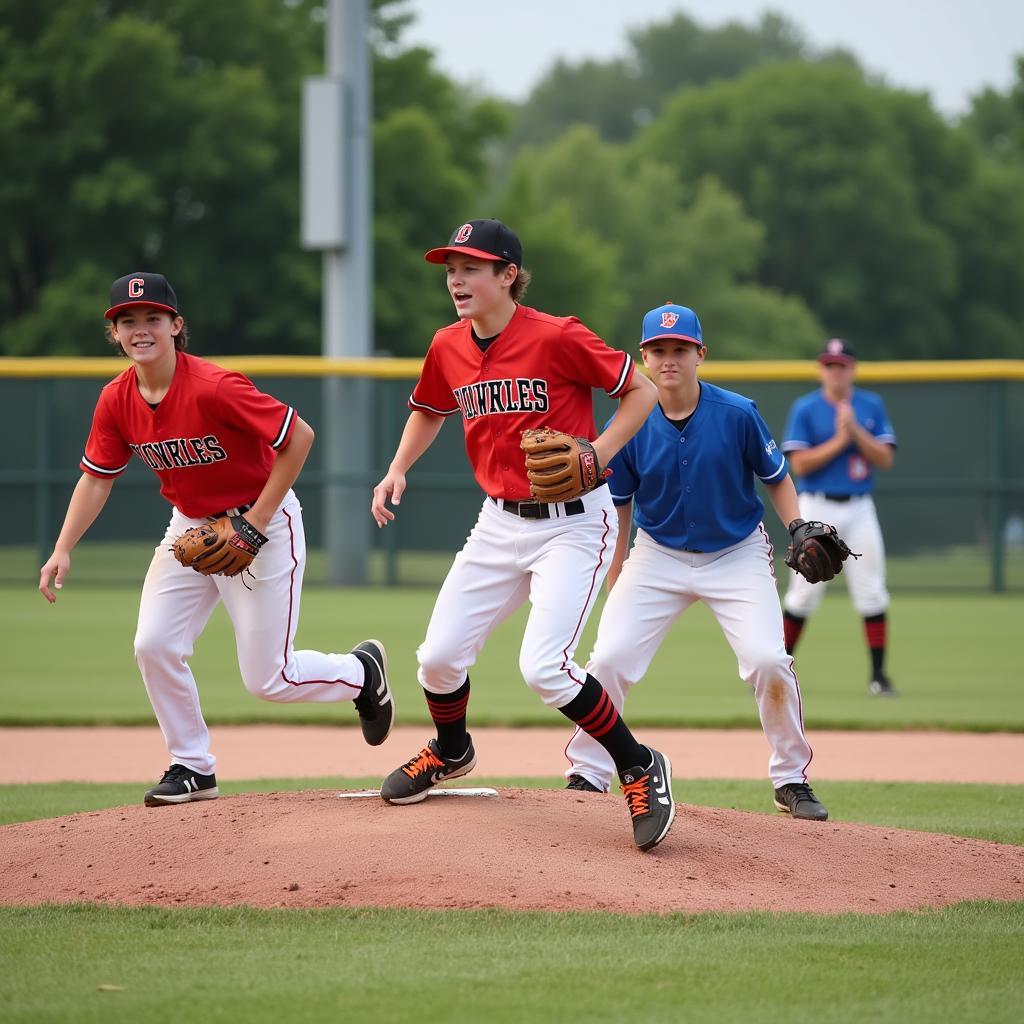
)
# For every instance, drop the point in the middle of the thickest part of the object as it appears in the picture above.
(524, 849)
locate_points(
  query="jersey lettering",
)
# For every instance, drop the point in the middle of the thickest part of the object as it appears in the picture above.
(494, 397)
(180, 452)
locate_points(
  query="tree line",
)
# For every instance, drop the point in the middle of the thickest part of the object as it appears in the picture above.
(785, 193)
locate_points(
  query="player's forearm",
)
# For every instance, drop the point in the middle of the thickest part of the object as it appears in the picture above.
(810, 459)
(421, 429)
(625, 516)
(784, 500)
(878, 453)
(87, 501)
(287, 465)
(634, 408)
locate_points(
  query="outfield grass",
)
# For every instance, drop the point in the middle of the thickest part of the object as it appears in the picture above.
(965, 568)
(957, 964)
(953, 657)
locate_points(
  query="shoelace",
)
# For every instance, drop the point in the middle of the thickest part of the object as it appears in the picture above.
(176, 773)
(363, 703)
(637, 794)
(422, 762)
(801, 791)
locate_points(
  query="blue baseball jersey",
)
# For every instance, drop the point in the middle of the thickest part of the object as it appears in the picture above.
(693, 489)
(812, 421)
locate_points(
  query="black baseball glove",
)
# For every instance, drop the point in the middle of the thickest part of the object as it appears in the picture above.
(816, 551)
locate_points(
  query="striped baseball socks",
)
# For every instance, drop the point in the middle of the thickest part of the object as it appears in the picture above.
(875, 632)
(448, 710)
(593, 711)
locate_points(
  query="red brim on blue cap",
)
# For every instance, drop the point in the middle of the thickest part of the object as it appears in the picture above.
(114, 310)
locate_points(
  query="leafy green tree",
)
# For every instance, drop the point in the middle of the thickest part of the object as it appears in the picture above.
(852, 183)
(156, 135)
(636, 236)
(996, 120)
(430, 167)
(621, 95)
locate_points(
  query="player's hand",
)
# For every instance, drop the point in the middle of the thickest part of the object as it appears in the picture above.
(392, 487)
(845, 419)
(60, 564)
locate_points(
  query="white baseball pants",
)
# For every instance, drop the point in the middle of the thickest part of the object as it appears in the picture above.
(558, 564)
(176, 604)
(657, 584)
(857, 523)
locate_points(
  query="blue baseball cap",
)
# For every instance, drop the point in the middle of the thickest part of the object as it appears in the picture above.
(671, 321)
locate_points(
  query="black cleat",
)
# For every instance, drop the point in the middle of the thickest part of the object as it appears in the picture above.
(582, 785)
(881, 686)
(648, 792)
(375, 704)
(180, 785)
(798, 799)
(410, 783)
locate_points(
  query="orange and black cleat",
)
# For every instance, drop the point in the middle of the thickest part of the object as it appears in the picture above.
(648, 792)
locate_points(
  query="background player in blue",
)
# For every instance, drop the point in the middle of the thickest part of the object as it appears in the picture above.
(835, 438)
(689, 471)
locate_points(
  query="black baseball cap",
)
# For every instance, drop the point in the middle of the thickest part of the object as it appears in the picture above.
(141, 289)
(485, 239)
(837, 351)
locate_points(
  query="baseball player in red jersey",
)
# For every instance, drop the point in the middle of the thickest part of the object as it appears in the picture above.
(218, 446)
(507, 368)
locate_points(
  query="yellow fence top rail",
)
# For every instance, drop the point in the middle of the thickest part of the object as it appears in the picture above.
(409, 369)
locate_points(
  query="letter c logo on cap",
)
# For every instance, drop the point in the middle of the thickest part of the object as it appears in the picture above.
(136, 286)
(463, 234)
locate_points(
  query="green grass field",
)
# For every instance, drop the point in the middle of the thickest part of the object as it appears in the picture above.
(953, 657)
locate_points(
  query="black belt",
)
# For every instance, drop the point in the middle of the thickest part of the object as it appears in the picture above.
(231, 512)
(839, 497)
(537, 510)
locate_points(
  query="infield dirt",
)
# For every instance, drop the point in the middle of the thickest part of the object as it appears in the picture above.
(523, 849)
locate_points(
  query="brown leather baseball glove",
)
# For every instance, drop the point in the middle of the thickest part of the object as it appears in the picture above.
(224, 547)
(816, 551)
(560, 467)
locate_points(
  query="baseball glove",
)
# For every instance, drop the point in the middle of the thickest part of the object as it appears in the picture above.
(560, 467)
(224, 547)
(816, 550)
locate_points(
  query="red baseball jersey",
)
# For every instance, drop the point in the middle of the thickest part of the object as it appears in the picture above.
(211, 441)
(539, 372)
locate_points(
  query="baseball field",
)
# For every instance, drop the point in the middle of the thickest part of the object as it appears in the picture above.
(281, 902)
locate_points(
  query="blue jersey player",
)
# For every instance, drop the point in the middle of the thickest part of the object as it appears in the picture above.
(835, 439)
(688, 479)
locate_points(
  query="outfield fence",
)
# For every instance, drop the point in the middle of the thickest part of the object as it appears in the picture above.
(952, 508)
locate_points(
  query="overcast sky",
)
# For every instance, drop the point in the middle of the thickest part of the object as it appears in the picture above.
(948, 48)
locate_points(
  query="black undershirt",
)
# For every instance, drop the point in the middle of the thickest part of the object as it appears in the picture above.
(484, 343)
(682, 424)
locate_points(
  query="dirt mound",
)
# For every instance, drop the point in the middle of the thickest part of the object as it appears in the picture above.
(523, 849)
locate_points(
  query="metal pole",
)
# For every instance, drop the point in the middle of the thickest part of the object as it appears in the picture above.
(997, 499)
(347, 306)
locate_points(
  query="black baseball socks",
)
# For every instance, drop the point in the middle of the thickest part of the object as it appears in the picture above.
(448, 710)
(593, 711)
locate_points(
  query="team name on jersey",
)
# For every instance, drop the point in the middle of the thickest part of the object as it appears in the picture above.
(180, 452)
(493, 397)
